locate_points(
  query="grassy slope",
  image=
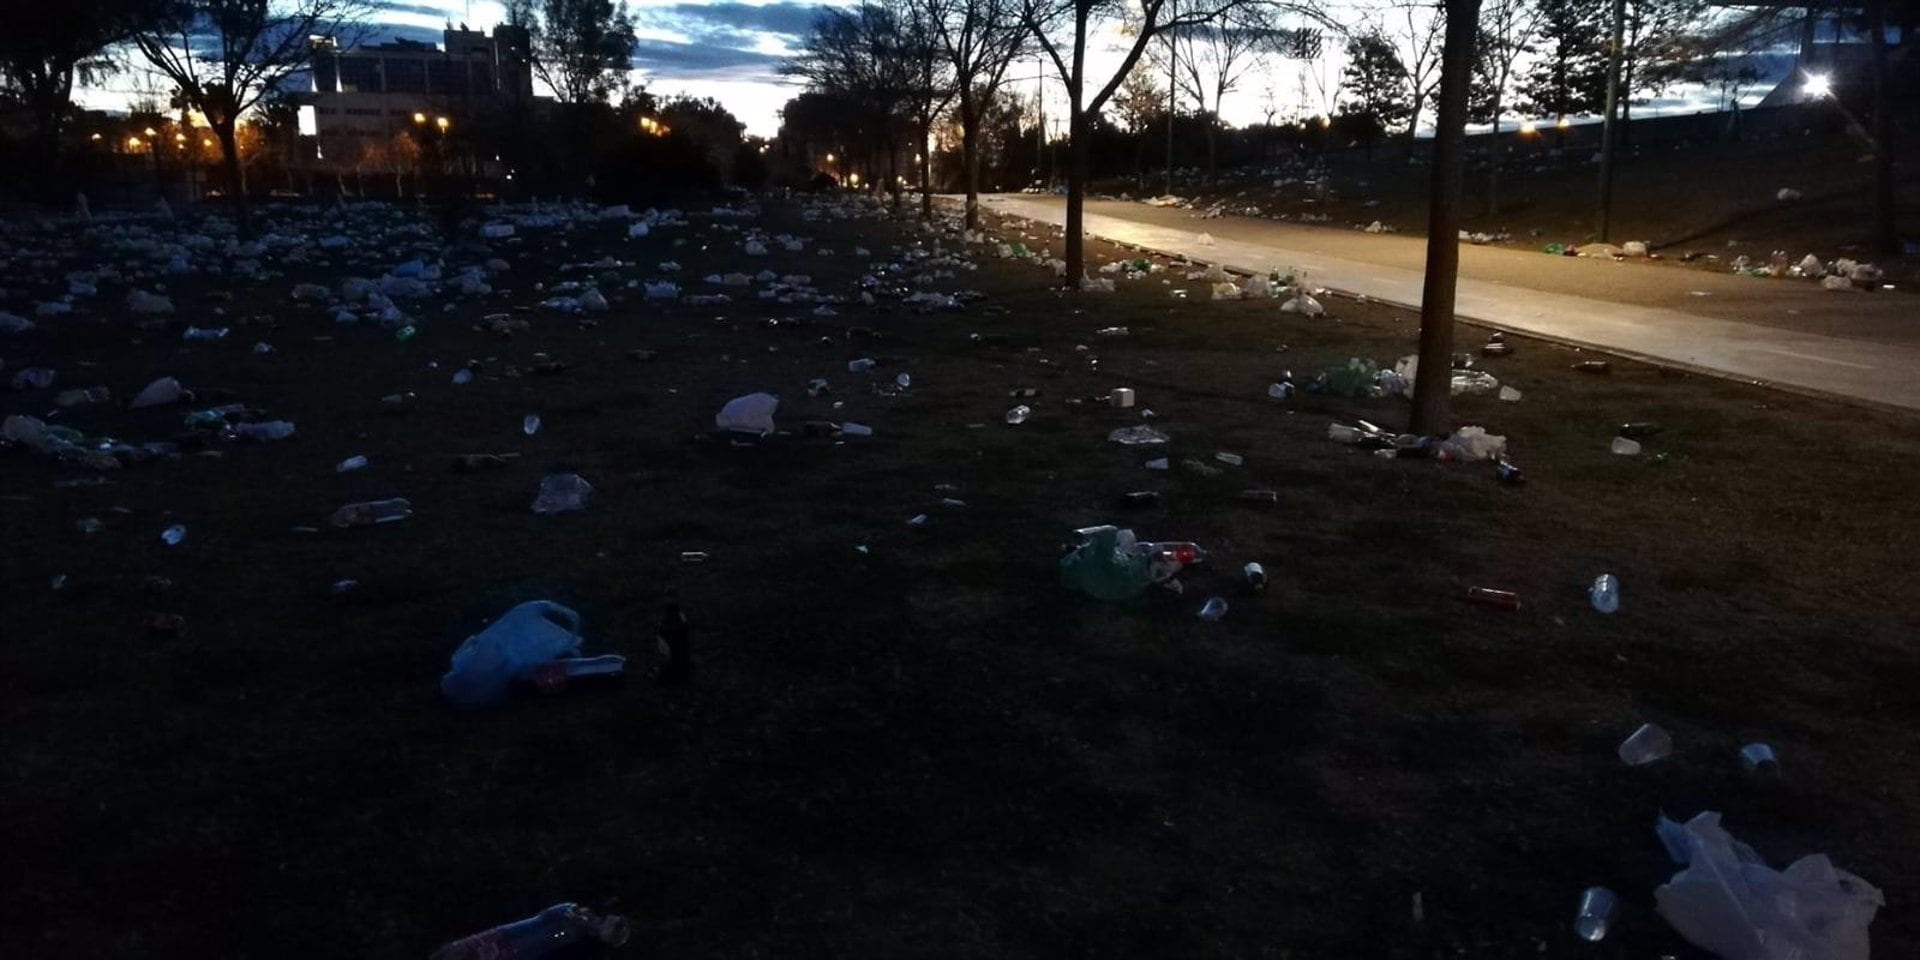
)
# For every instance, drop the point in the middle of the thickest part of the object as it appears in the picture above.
(930, 750)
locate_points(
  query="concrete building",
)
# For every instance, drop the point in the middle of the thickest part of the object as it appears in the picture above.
(375, 91)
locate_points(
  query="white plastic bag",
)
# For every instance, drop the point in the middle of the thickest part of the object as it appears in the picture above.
(1729, 902)
(752, 413)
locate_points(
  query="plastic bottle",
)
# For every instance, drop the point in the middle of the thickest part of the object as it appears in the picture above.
(355, 462)
(1489, 597)
(556, 927)
(1605, 593)
(34, 378)
(371, 512)
(530, 425)
(1595, 917)
(555, 675)
(262, 432)
(1018, 415)
(1230, 459)
(1213, 609)
(861, 365)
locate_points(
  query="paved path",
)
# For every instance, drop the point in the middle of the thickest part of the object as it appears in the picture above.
(1858, 346)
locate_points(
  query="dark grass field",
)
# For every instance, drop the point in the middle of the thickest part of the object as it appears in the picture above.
(931, 750)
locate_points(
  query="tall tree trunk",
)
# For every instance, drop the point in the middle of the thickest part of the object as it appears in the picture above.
(970, 160)
(1434, 379)
(926, 169)
(1213, 148)
(236, 180)
(1076, 255)
(1886, 233)
(1493, 152)
(1076, 241)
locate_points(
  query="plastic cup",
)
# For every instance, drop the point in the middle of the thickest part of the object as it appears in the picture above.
(1595, 917)
(1648, 744)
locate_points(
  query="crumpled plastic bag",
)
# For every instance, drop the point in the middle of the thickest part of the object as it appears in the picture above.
(485, 665)
(752, 413)
(1303, 304)
(1728, 901)
(1474, 443)
(1464, 382)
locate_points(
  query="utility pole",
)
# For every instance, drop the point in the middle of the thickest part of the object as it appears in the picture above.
(1609, 135)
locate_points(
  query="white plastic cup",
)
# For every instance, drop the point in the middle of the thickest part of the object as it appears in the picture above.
(1123, 397)
(1597, 907)
(1646, 745)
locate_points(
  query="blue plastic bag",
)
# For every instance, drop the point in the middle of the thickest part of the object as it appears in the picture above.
(484, 668)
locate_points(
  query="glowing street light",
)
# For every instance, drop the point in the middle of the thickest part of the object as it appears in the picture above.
(443, 123)
(133, 143)
(1528, 129)
(1819, 86)
(1564, 123)
(419, 118)
(853, 179)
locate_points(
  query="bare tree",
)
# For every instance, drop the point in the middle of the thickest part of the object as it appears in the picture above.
(1433, 380)
(931, 87)
(1208, 61)
(45, 48)
(581, 48)
(861, 56)
(979, 39)
(1062, 28)
(1506, 32)
(225, 55)
(1415, 29)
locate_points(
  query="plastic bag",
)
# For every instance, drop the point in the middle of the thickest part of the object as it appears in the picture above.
(485, 665)
(1731, 903)
(752, 413)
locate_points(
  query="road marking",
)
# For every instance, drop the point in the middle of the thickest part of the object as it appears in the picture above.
(1808, 356)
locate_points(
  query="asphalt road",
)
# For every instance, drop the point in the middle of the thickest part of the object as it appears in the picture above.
(1791, 333)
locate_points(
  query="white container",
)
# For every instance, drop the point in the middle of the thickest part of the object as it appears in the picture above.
(1123, 397)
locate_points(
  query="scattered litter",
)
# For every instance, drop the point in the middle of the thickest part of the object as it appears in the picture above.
(562, 492)
(1137, 435)
(1728, 902)
(1605, 593)
(752, 413)
(1646, 745)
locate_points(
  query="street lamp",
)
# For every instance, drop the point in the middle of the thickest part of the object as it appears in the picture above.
(1527, 129)
(443, 123)
(1819, 86)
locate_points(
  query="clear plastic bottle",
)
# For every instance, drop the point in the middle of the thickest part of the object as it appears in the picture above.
(264, 431)
(1649, 743)
(371, 512)
(557, 927)
(355, 462)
